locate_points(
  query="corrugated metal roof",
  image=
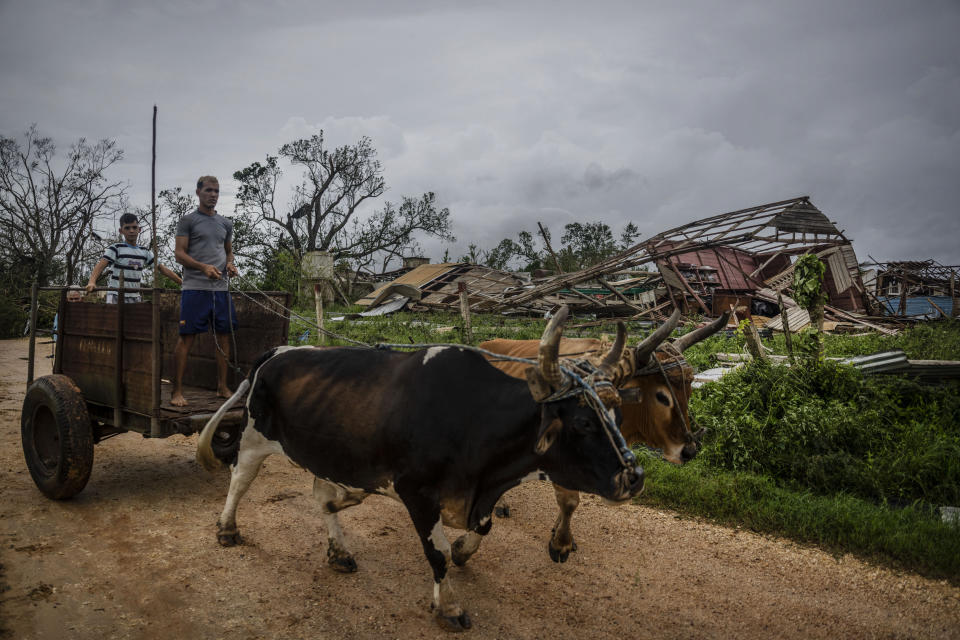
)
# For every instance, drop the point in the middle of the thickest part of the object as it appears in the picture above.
(918, 306)
(896, 362)
(934, 369)
(712, 375)
(439, 282)
(804, 218)
(797, 318)
(883, 362)
(841, 274)
(418, 277)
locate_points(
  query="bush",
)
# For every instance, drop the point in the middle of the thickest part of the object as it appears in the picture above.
(828, 429)
(13, 317)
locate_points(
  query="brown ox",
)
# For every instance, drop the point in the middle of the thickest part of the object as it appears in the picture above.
(654, 397)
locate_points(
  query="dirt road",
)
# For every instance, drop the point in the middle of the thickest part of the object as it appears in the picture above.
(135, 556)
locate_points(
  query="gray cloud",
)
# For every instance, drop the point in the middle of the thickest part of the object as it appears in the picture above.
(518, 112)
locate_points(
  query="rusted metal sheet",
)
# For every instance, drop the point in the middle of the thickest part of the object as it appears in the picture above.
(731, 265)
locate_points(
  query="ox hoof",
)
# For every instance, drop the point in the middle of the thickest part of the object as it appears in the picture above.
(560, 555)
(502, 512)
(341, 562)
(229, 539)
(556, 555)
(454, 624)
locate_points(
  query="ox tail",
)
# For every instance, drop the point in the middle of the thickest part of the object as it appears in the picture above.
(205, 455)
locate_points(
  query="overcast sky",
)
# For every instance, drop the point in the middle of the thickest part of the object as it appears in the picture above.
(656, 113)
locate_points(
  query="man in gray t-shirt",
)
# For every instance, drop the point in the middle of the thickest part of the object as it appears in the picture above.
(208, 236)
(204, 248)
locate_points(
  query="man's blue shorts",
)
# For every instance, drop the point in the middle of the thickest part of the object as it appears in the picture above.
(197, 307)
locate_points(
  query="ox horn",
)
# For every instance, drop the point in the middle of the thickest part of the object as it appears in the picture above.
(550, 348)
(645, 349)
(697, 335)
(612, 359)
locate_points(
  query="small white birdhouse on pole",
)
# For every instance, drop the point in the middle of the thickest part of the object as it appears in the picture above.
(317, 270)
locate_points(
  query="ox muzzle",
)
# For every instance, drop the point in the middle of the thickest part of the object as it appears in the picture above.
(628, 483)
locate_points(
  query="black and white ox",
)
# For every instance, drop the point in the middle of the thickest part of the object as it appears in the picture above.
(440, 430)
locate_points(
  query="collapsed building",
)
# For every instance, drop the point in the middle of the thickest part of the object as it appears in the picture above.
(914, 288)
(741, 260)
(747, 255)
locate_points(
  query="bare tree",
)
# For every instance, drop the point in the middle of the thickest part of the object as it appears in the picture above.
(172, 204)
(324, 212)
(47, 213)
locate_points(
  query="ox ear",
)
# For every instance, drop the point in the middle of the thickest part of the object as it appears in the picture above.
(550, 426)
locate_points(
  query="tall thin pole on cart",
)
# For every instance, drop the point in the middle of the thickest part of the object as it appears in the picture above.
(34, 297)
(155, 298)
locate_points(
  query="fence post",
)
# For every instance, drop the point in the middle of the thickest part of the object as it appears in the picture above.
(118, 354)
(318, 301)
(786, 327)
(955, 300)
(465, 312)
(753, 342)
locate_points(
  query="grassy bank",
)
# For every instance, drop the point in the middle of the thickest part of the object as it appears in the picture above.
(825, 455)
(907, 538)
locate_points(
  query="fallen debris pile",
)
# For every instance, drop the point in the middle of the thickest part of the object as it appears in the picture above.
(742, 260)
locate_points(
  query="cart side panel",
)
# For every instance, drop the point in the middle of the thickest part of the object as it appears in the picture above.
(137, 368)
(87, 352)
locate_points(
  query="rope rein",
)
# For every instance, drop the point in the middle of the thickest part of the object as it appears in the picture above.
(231, 314)
(291, 313)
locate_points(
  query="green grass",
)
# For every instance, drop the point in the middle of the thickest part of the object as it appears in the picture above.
(829, 429)
(907, 538)
(437, 326)
(934, 340)
(824, 455)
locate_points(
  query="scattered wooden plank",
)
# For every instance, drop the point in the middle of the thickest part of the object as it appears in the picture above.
(937, 307)
(853, 318)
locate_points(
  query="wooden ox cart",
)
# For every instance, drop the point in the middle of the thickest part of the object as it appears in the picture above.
(111, 374)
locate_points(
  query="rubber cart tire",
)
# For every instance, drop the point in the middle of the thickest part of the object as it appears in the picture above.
(57, 436)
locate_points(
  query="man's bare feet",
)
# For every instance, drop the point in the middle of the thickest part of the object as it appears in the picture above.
(178, 400)
(224, 392)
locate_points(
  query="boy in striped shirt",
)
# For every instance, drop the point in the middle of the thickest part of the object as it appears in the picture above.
(128, 257)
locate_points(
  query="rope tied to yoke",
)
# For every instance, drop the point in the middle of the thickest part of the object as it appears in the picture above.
(588, 386)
